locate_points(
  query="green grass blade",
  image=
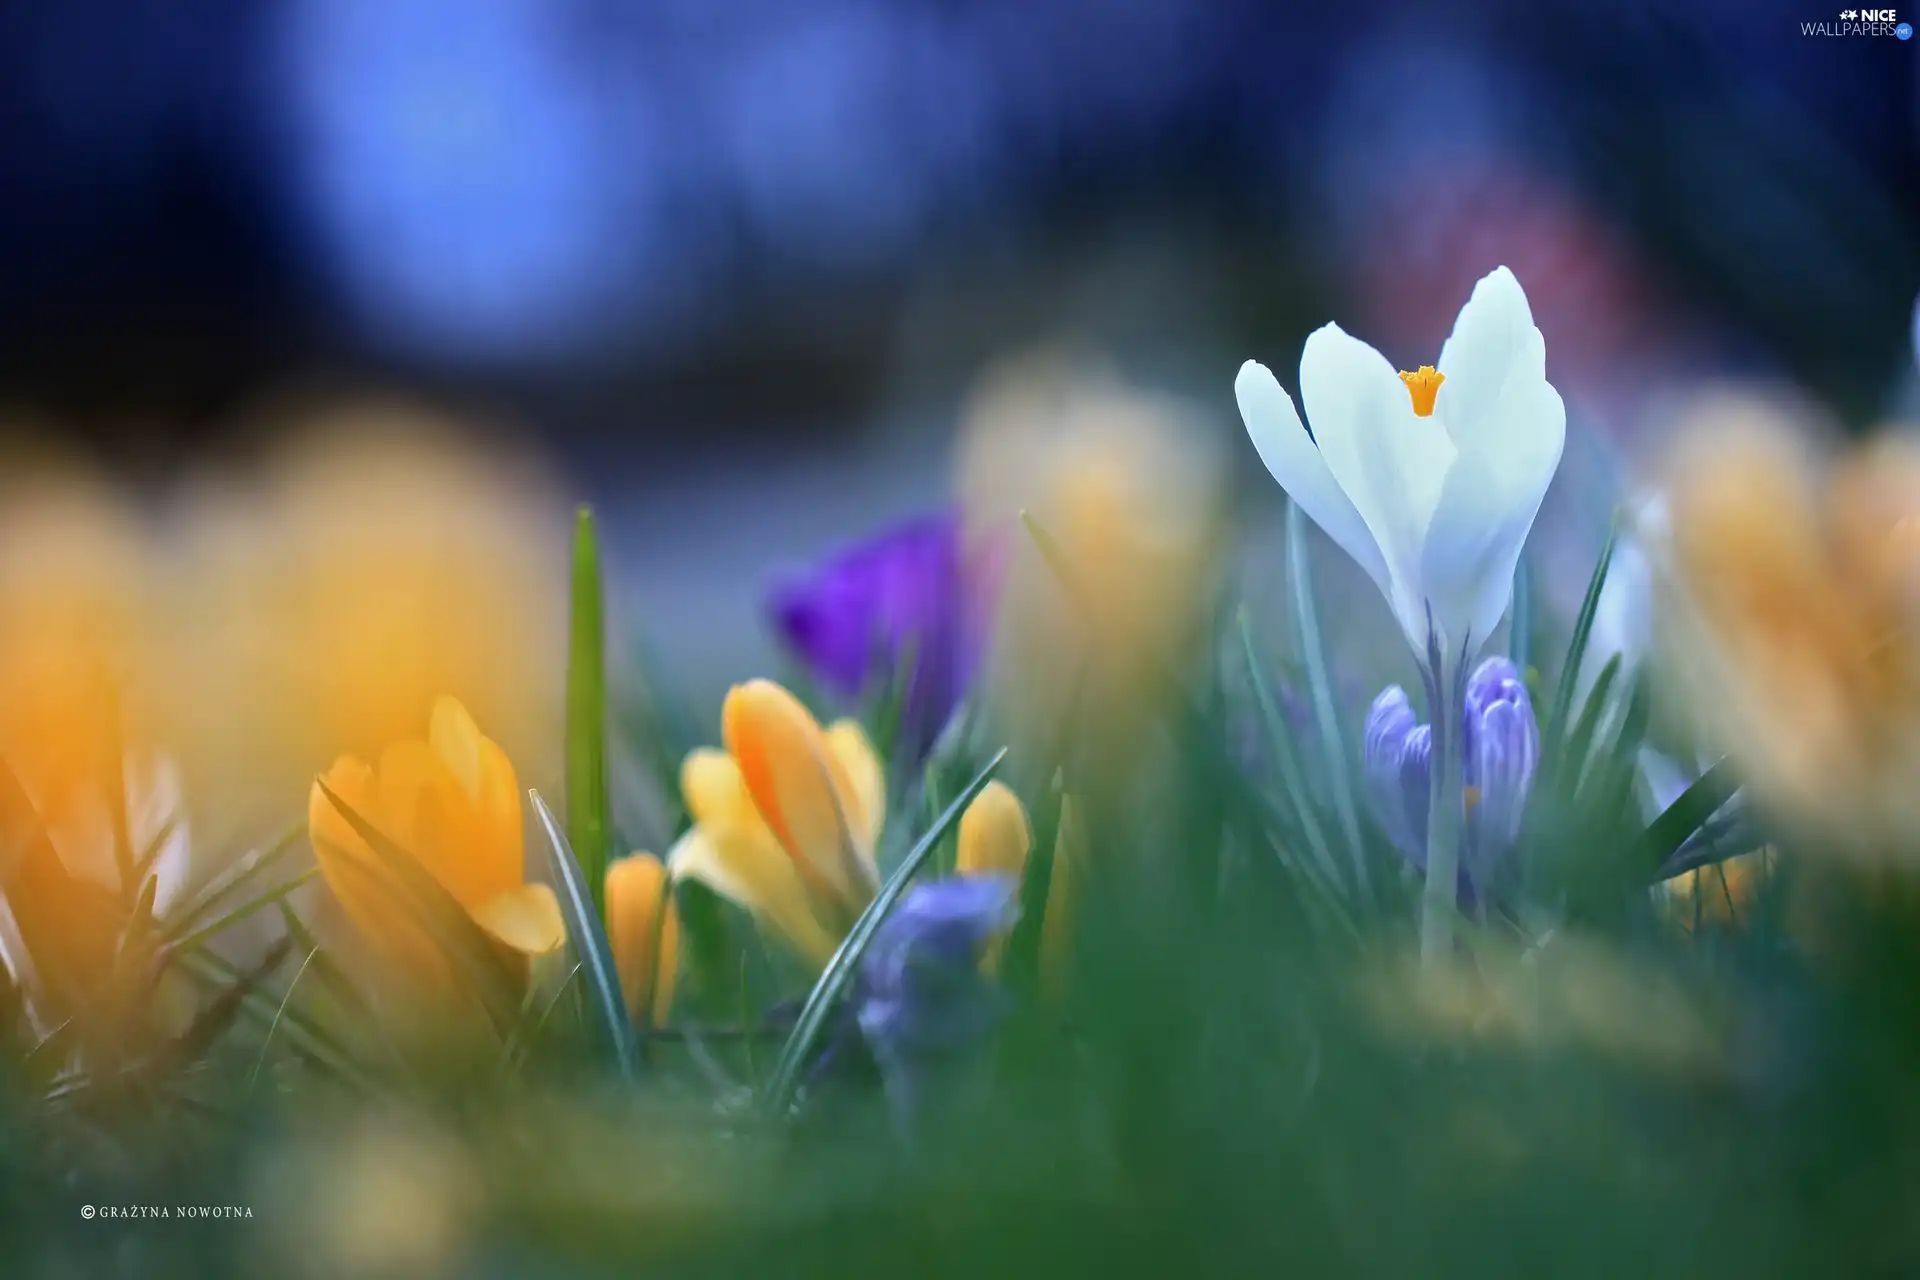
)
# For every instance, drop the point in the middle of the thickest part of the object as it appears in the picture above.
(589, 937)
(1577, 646)
(1686, 815)
(224, 887)
(1247, 797)
(1280, 743)
(331, 976)
(314, 1043)
(1520, 628)
(817, 1013)
(589, 816)
(272, 896)
(1568, 759)
(266, 1041)
(1313, 653)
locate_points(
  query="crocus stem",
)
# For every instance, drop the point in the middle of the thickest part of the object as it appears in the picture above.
(1445, 812)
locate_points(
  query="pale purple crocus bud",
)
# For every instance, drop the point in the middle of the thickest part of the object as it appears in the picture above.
(921, 1002)
(1399, 754)
(1501, 746)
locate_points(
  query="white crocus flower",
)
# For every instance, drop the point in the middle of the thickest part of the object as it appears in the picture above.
(1430, 480)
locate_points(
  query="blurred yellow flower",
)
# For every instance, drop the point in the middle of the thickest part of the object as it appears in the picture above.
(643, 930)
(1797, 590)
(1128, 485)
(321, 604)
(1566, 993)
(995, 839)
(75, 726)
(1723, 893)
(452, 802)
(787, 817)
(70, 610)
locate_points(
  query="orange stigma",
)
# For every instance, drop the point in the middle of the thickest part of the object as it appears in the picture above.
(1423, 385)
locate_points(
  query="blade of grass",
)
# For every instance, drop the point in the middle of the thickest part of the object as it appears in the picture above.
(824, 999)
(272, 896)
(514, 1049)
(590, 943)
(212, 1021)
(1688, 813)
(1520, 628)
(1569, 762)
(158, 841)
(266, 1041)
(1313, 653)
(220, 889)
(1280, 743)
(312, 1041)
(1577, 646)
(1249, 799)
(589, 818)
(331, 976)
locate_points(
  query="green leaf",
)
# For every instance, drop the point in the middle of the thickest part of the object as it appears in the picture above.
(1567, 760)
(1313, 652)
(1611, 776)
(1687, 814)
(1582, 632)
(1250, 804)
(331, 975)
(589, 815)
(1280, 743)
(1520, 629)
(274, 895)
(589, 938)
(218, 1015)
(313, 1042)
(816, 1014)
(223, 887)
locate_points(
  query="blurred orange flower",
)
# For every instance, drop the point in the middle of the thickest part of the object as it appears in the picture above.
(1798, 586)
(452, 802)
(76, 726)
(1724, 893)
(643, 931)
(321, 606)
(1128, 485)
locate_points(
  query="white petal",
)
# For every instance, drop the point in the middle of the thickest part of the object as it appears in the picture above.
(1622, 619)
(1296, 462)
(155, 797)
(1666, 781)
(1493, 340)
(1507, 460)
(1390, 462)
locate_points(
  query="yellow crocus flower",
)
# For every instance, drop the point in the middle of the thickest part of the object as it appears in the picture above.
(995, 837)
(787, 817)
(646, 946)
(453, 803)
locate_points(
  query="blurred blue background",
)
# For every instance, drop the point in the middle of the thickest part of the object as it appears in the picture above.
(665, 233)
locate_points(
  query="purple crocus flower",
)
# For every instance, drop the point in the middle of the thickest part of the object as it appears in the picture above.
(909, 593)
(1501, 753)
(921, 1001)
